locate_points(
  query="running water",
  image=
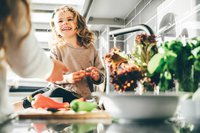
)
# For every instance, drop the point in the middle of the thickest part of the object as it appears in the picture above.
(115, 39)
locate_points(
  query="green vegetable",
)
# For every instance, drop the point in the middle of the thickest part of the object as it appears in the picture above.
(78, 105)
(180, 61)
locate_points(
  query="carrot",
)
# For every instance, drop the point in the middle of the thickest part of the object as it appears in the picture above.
(42, 101)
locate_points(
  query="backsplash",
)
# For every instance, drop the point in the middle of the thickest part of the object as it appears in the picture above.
(169, 19)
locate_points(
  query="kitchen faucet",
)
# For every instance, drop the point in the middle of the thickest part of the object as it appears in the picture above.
(141, 27)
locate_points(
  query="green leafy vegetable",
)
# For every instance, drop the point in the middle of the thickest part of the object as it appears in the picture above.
(180, 61)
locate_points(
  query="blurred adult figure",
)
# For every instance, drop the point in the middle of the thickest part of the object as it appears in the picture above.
(20, 50)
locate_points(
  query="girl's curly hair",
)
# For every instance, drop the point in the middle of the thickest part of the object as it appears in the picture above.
(84, 35)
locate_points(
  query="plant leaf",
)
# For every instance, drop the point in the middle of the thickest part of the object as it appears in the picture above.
(155, 63)
(168, 75)
(197, 65)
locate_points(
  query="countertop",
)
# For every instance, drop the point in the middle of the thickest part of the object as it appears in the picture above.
(98, 126)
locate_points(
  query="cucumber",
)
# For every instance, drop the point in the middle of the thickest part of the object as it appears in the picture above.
(78, 105)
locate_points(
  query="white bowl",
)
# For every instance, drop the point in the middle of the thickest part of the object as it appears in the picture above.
(129, 106)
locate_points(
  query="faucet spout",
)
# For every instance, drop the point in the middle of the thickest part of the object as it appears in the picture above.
(141, 27)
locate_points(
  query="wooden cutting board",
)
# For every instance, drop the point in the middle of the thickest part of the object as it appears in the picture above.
(65, 115)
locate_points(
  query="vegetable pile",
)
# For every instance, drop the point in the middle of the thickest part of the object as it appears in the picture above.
(127, 70)
(177, 61)
(41, 101)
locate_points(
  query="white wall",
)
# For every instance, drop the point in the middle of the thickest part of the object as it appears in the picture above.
(151, 12)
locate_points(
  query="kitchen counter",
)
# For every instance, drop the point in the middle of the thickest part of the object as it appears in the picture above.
(97, 126)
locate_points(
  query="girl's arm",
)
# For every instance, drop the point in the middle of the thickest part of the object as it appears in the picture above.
(101, 70)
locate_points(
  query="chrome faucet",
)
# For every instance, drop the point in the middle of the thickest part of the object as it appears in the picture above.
(141, 27)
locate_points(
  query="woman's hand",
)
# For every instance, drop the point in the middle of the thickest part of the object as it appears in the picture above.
(57, 72)
(93, 72)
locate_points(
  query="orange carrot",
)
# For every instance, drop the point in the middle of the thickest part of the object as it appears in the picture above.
(42, 101)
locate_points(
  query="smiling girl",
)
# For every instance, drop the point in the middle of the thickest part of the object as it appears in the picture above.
(73, 44)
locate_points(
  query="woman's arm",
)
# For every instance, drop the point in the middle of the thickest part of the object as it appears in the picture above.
(26, 58)
(29, 60)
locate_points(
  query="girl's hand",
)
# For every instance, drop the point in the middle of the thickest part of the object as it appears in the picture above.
(74, 77)
(93, 72)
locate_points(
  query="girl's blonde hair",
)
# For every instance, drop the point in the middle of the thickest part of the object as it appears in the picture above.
(84, 35)
(10, 21)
